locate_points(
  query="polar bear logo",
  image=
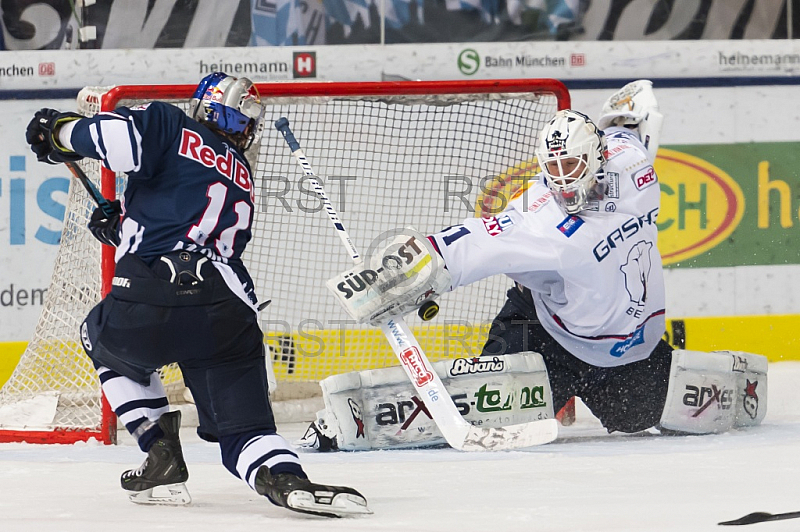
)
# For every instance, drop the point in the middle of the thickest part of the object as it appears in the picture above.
(636, 271)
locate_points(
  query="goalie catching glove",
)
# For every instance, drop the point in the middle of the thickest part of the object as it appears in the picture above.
(395, 281)
(635, 106)
(42, 135)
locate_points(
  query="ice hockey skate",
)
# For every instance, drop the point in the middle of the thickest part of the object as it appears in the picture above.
(161, 478)
(302, 495)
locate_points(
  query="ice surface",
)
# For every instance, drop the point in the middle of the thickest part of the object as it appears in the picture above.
(585, 481)
(32, 413)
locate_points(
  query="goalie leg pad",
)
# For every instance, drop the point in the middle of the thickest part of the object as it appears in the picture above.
(379, 409)
(751, 387)
(714, 392)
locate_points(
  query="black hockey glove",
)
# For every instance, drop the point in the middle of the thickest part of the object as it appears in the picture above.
(105, 228)
(41, 135)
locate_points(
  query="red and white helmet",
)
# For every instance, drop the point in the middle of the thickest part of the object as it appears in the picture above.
(231, 105)
(571, 151)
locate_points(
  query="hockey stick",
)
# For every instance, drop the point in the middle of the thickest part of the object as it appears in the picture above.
(760, 517)
(90, 187)
(456, 430)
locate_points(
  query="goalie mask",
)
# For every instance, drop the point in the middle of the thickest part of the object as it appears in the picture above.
(571, 151)
(231, 105)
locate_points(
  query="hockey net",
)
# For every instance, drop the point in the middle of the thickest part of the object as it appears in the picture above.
(391, 155)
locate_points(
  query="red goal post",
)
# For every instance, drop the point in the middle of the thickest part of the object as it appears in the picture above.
(420, 153)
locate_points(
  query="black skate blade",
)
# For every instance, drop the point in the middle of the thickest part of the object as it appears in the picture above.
(327, 503)
(167, 495)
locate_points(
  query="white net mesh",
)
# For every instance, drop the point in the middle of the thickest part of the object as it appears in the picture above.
(386, 162)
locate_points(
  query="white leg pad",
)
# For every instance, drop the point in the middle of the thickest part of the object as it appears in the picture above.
(713, 392)
(379, 409)
(751, 387)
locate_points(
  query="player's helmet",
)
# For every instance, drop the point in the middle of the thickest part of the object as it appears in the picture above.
(231, 105)
(571, 151)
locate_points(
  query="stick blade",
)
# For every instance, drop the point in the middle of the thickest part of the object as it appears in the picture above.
(510, 437)
(749, 519)
(760, 517)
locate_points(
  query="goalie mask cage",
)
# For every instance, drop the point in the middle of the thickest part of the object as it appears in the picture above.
(390, 155)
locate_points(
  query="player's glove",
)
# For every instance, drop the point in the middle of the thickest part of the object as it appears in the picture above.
(42, 132)
(106, 228)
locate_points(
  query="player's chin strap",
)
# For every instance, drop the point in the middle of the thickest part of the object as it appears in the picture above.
(427, 384)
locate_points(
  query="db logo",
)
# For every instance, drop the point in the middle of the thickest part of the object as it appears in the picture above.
(304, 64)
(412, 359)
(644, 178)
(47, 69)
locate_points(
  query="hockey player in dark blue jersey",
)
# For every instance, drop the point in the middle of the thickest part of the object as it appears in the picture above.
(181, 292)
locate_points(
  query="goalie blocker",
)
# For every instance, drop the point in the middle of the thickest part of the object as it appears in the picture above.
(377, 409)
(402, 276)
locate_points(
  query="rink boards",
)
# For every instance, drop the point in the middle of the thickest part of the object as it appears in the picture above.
(312, 355)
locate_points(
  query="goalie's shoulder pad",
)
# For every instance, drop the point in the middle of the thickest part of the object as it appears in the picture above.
(393, 281)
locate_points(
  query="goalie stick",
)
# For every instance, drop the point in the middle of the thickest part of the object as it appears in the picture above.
(90, 187)
(456, 430)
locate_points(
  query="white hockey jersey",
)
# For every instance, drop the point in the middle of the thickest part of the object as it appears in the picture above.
(596, 277)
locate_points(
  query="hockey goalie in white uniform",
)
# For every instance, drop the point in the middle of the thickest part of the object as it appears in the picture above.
(585, 316)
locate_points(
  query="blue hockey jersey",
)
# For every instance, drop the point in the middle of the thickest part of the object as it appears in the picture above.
(187, 187)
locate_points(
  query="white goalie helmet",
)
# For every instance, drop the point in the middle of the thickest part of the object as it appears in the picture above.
(635, 106)
(571, 151)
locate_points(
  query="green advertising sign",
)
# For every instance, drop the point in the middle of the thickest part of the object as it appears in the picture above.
(729, 205)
